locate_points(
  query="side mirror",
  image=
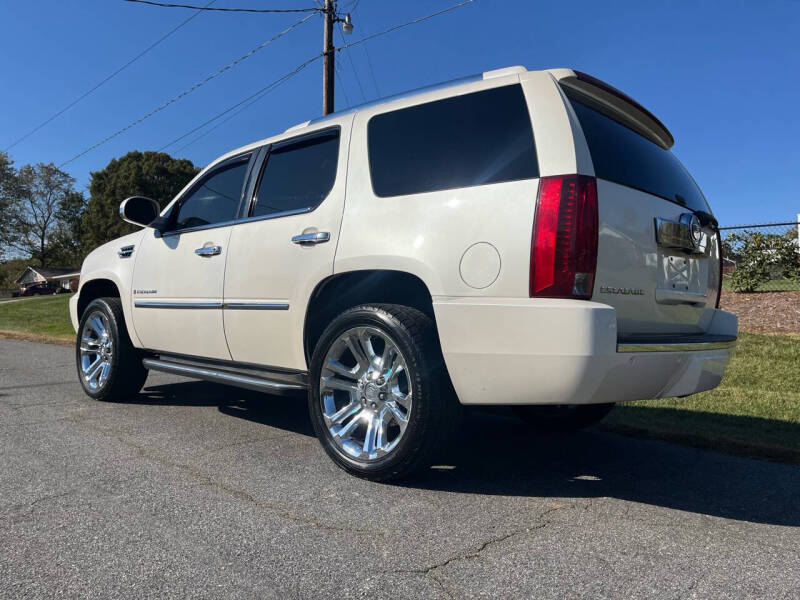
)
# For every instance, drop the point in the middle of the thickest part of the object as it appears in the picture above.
(139, 210)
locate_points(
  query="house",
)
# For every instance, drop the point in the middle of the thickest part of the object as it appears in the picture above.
(66, 277)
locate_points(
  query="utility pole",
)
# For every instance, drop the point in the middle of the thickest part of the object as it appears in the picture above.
(328, 58)
(329, 52)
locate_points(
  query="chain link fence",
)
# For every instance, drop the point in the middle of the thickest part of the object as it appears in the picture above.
(761, 258)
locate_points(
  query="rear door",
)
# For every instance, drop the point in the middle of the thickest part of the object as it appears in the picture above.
(178, 275)
(649, 268)
(285, 246)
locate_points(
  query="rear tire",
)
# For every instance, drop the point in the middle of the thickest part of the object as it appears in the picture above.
(383, 414)
(563, 417)
(109, 367)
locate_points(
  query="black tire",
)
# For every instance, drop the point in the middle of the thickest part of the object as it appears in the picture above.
(563, 417)
(434, 414)
(126, 374)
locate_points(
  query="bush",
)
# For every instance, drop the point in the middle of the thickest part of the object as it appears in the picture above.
(761, 257)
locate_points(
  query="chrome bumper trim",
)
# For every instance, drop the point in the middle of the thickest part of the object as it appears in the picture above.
(675, 346)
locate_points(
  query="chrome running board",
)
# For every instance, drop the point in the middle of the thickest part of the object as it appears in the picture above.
(227, 377)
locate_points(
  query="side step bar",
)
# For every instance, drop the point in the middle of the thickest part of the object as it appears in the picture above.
(261, 384)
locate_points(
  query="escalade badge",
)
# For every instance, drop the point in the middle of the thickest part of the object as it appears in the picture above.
(606, 289)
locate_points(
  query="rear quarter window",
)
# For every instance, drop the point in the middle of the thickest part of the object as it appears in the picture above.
(623, 156)
(474, 139)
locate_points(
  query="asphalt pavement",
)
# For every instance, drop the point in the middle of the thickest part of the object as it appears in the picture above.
(203, 491)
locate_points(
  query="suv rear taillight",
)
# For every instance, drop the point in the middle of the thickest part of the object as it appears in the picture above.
(564, 241)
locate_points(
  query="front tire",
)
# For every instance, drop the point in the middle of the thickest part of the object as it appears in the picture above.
(563, 417)
(109, 367)
(379, 398)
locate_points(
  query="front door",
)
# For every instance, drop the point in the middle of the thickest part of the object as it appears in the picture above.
(179, 274)
(285, 247)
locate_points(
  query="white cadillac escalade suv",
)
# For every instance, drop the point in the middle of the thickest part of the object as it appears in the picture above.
(513, 238)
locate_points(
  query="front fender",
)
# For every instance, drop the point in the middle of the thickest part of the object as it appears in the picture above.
(104, 263)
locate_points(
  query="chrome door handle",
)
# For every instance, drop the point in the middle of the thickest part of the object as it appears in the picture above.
(208, 251)
(317, 237)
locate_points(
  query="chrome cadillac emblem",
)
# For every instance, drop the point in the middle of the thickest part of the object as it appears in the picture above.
(691, 221)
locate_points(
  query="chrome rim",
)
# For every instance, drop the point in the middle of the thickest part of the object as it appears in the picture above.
(97, 350)
(365, 393)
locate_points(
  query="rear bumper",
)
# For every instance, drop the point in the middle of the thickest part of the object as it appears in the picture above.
(540, 351)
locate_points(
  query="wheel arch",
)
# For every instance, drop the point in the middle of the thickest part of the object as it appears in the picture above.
(341, 291)
(96, 288)
(105, 285)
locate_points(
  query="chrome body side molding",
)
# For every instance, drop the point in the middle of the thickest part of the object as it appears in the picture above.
(255, 305)
(162, 304)
(206, 305)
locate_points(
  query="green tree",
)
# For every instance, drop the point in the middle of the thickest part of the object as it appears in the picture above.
(67, 239)
(153, 174)
(40, 190)
(8, 201)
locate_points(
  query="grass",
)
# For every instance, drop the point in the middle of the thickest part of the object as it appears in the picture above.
(41, 317)
(754, 412)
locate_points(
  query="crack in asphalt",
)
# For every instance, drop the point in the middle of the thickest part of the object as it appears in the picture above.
(31, 505)
(46, 421)
(206, 479)
(245, 443)
(430, 570)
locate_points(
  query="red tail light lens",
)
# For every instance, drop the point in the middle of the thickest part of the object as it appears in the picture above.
(564, 242)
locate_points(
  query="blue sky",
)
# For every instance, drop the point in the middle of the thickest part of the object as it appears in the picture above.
(722, 76)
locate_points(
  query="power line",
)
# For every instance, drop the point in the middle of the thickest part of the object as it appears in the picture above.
(220, 9)
(114, 74)
(254, 96)
(337, 69)
(271, 86)
(189, 90)
(242, 108)
(366, 50)
(402, 25)
(353, 67)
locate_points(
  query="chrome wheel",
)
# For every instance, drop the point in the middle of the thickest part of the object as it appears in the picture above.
(97, 350)
(365, 393)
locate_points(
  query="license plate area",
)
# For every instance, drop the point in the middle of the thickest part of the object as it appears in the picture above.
(683, 278)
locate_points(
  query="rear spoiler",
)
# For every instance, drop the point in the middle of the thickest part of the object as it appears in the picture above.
(614, 103)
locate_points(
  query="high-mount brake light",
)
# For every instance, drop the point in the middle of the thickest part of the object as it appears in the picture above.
(564, 240)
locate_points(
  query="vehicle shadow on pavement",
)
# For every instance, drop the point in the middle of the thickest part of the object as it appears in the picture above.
(495, 454)
(285, 412)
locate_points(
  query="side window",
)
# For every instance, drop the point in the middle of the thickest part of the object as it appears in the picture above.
(474, 139)
(215, 199)
(298, 175)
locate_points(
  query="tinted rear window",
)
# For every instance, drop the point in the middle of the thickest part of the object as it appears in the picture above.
(623, 156)
(298, 175)
(474, 139)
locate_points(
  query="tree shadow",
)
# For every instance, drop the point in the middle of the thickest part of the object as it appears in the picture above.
(495, 454)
